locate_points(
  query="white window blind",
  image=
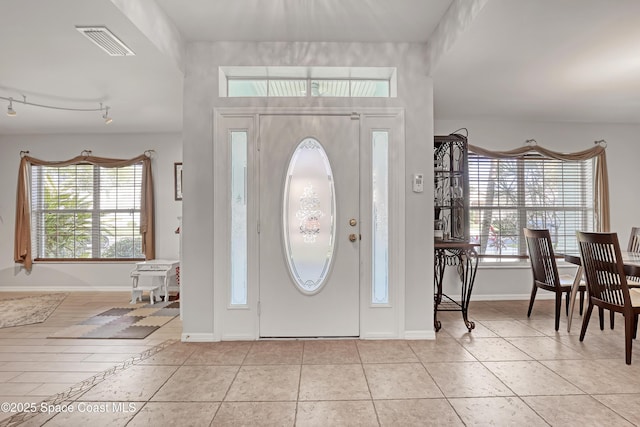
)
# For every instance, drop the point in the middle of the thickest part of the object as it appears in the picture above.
(86, 212)
(507, 195)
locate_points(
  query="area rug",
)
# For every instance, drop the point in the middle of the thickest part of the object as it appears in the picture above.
(28, 310)
(133, 322)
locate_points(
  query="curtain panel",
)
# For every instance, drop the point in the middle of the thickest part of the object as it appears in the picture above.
(601, 190)
(22, 243)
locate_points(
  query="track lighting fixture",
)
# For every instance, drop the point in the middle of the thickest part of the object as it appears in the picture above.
(11, 112)
(105, 116)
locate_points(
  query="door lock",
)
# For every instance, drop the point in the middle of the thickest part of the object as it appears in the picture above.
(353, 222)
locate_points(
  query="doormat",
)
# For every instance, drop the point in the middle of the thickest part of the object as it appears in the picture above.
(124, 322)
(28, 310)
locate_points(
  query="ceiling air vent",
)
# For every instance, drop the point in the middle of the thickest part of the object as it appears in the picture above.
(106, 40)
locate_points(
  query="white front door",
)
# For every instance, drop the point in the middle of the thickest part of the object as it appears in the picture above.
(309, 277)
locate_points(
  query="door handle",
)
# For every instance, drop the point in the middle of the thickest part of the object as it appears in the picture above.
(353, 237)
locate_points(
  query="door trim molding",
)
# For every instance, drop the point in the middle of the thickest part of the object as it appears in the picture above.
(234, 322)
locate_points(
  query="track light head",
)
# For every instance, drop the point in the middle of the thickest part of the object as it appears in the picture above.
(10, 111)
(106, 117)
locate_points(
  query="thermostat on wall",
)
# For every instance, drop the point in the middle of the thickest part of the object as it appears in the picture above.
(418, 183)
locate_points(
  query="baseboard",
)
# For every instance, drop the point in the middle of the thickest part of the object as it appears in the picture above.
(246, 337)
(66, 288)
(198, 337)
(420, 335)
(378, 336)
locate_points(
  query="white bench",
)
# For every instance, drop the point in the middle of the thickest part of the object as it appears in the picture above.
(136, 292)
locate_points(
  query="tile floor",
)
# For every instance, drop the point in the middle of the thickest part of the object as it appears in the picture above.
(509, 371)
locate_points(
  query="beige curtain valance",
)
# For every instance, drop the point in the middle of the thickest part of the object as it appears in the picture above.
(22, 243)
(601, 190)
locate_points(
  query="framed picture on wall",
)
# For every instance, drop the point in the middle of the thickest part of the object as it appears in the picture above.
(177, 176)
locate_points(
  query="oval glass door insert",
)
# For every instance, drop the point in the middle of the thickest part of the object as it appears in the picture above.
(309, 211)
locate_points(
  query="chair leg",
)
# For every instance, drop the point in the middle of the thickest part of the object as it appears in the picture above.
(533, 297)
(585, 321)
(611, 316)
(581, 302)
(628, 337)
(567, 304)
(601, 313)
(558, 308)
(635, 326)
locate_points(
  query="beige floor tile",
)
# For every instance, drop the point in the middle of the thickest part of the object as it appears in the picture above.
(400, 381)
(197, 384)
(50, 389)
(511, 328)
(109, 357)
(266, 383)
(390, 351)
(322, 352)
(6, 375)
(17, 389)
(598, 376)
(219, 353)
(275, 353)
(137, 383)
(43, 357)
(174, 354)
(338, 413)
(466, 379)
(455, 327)
(333, 382)
(545, 348)
(493, 349)
(51, 377)
(273, 392)
(626, 405)
(528, 378)
(32, 349)
(57, 366)
(441, 349)
(498, 411)
(183, 414)
(416, 413)
(575, 411)
(274, 414)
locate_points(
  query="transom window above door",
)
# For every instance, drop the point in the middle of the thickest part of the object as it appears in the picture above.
(340, 82)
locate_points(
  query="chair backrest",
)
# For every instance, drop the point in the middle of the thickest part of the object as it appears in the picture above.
(543, 260)
(603, 267)
(634, 240)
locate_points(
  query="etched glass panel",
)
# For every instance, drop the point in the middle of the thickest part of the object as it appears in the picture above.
(239, 218)
(380, 232)
(309, 214)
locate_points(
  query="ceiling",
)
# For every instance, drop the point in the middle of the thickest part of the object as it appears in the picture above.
(551, 60)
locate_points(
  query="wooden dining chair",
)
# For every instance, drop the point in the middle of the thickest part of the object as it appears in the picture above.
(545, 271)
(634, 240)
(607, 283)
(633, 246)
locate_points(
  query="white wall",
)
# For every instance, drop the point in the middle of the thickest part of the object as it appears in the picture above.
(201, 97)
(86, 276)
(623, 158)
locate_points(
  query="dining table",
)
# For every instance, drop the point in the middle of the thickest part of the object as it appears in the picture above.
(631, 261)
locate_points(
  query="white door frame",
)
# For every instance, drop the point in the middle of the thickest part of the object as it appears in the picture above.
(242, 322)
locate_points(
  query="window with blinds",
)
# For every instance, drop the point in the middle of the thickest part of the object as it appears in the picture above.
(84, 212)
(507, 195)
